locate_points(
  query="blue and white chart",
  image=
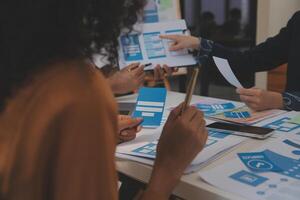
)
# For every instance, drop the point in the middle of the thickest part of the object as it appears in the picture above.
(283, 124)
(271, 172)
(146, 47)
(150, 106)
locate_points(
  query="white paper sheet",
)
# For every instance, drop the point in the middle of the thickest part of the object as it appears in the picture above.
(227, 72)
(145, 46)
(235, 177)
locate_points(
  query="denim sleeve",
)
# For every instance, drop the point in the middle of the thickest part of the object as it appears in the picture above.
(291, 100)
(205, 49)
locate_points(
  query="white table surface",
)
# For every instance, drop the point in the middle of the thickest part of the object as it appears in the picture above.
(191, 186)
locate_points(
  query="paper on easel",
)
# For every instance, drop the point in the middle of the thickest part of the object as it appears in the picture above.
(147, 48)
(226, 71)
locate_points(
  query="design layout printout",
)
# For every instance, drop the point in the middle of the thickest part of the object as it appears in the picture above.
(247, 116)
(283, 124)
(270, 172)
(143, 148)
(146, 47)
(211, 106)
(150, 106)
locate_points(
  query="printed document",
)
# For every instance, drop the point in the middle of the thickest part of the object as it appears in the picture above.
(143, 148)
(146, 47)
(271, 172)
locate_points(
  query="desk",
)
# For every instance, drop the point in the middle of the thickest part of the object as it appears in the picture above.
(190, 186)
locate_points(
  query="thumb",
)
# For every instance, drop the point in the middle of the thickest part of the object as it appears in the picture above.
(129, 123)
(175, 113)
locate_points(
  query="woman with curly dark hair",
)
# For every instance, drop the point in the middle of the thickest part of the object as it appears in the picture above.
(58, 119)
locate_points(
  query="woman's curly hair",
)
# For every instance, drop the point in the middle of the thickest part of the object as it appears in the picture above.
(36, 32)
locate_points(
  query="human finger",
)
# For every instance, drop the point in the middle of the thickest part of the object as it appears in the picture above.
(249, 99)
(176, 47)
(139, 70)
(248, 92)
(129, 123)
(132, 66)
(170, 37)
(168, 70)
(175, 112)
(189, 113)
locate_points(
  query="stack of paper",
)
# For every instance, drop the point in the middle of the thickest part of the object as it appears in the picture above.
(271, 172)
(283, 124)
(143, 148)
(249, 117)
(212, 107)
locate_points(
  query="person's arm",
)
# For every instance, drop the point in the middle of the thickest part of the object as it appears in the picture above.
(291, 100)
(268, 55)
(183, 137)
(128, 79)
(84, 166)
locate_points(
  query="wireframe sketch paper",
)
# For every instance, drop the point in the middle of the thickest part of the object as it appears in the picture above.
(283, 124)
(150, 106)
(146, 47)
(269, 172)
(143, 148)
(227, 72)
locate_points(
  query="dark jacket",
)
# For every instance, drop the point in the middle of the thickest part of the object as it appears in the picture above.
(280, 49)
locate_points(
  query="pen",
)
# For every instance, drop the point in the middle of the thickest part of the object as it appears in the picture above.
(147, 65)
(190, 89)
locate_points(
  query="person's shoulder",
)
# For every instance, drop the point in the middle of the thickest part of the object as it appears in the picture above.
(74, 81)
(79, 75)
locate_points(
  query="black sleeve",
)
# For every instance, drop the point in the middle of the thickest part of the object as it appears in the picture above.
(266, 56)
(291, 100)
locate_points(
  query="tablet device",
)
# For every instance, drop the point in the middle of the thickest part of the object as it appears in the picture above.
(243, 130)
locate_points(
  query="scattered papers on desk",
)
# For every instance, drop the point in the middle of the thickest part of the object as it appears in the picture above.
(283, 124)
(296, 119)
(150, 106)
(211, 106)
(226, 71)
(143, 148)
(146, 47)
(252, 117)
(237, 115)
(271, 172)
